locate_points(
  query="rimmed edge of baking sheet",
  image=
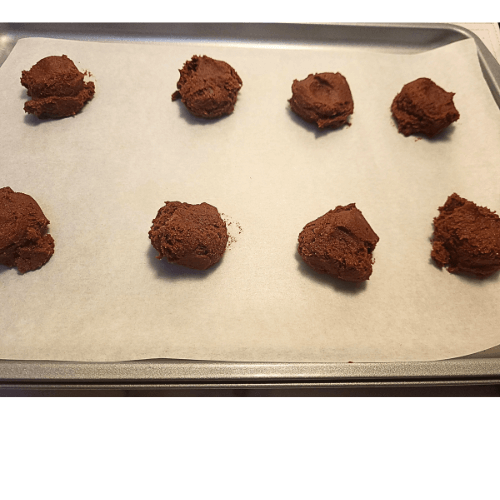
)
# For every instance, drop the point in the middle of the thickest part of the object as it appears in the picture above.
(483, 367)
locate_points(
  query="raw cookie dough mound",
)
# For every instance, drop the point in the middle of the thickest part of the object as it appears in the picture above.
(23, 242)
(193, 236)
(324, 99)
(339, 243)
(207, 87)
(466, 238)
(56, 87)
(423, 107)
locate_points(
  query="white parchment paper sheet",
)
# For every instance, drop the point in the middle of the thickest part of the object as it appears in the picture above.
(101, 176)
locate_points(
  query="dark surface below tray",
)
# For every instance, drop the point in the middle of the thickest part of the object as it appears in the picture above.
(386, 392)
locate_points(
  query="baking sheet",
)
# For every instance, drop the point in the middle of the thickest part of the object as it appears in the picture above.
(104, 297)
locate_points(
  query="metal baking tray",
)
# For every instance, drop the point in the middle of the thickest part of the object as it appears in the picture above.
(478, 369)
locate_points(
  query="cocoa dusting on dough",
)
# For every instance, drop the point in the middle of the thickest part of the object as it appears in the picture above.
(56, 87)
(193, 236)
(324, 99)
(208, 87)
(466, 238)
(23, 242)
(339, 243)
(423, 107)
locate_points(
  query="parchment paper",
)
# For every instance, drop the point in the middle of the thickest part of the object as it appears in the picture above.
(101, 176)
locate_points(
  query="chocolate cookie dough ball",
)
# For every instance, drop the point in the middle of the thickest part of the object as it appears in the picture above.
(423, 107)
(324, 99)
(23, 242)
(207, 87)
(193, 236)
(339, 243)
(56, 87)
(466, 238)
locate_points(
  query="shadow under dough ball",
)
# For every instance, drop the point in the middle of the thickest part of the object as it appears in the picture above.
(23, 242)
(56, 87)
(208, 87)
(324, 99)
(423, 107)
(339, 243)
(193, 236)
(466, 238)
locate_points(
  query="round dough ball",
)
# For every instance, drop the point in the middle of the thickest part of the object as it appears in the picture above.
(208, 87)
(423, 107)
(23, 242)
(324, 99)
(466, 238)
(193, 236)
(56, 87)
(339, 243)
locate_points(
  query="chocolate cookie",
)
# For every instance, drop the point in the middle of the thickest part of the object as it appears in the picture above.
(339, 243)
(23, 242)
(193, 236)
(324, 99)
(423, 107)
(207, 87)
(466, 238)
(56, 87)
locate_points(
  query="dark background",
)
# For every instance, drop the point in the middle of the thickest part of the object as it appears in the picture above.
(436, 391)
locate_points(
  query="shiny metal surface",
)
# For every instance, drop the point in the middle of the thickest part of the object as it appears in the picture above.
(193, 374)
(481, 368)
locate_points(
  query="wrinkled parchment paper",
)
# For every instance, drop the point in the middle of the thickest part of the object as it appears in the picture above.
(101, 176)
